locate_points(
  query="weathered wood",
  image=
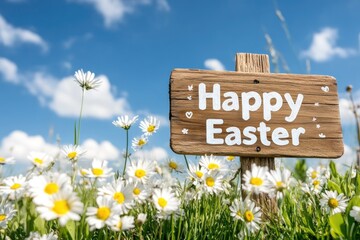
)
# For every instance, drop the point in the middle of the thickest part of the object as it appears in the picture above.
(256, 63)
(318, 115)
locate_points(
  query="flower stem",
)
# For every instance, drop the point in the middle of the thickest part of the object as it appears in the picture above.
(354, 108)
(126, 151)
(77, 140)
(187, 163)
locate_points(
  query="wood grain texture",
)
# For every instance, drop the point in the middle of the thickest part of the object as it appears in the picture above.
(318, 115)
(256, 63)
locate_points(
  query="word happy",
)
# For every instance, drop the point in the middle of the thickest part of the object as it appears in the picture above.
(270, 102)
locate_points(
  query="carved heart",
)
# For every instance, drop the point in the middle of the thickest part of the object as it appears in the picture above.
(314, 119)
(316, 104)
(189, 114)
(322, 135)
(325, 88)
(317, 125)
(189, 97)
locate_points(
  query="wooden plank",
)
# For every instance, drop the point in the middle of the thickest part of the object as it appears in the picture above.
(318, 114)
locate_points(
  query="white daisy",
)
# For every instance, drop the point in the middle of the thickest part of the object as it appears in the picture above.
(196, 172)
(230, 158)
(314, 186)
(122, 194)
(248, 213)
(7, 212)
(105, 214)
(318, 172)
(38, 236)
(6, 160)
(141, 218)
(212, 163)
(99, 169)
(279, 180)
(13, 186)
(141, 171)
(64, 205)
(125, 122)
(333, 202)
(123, 223)
(255, 180)
(355, 213)
(40, 159)
(165, 201)
(73, 152)
(149, 125)
(212, 182)
(172, 165)
(139, 143)
(46, 185)
(140, 193)
(86, 80)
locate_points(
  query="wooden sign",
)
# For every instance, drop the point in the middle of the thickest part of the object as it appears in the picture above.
(254, 114)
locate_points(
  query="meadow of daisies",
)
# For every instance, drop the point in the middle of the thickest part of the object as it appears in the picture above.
(199, 198)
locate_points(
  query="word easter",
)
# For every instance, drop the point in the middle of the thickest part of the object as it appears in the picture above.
(251, 101)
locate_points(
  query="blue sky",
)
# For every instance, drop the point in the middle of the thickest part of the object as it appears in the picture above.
(134, 45)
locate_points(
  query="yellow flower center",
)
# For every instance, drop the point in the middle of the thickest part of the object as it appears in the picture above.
(2, 217)
(83, 172)
(162, 202)
(316, 183)
(141, 142)
(136, 191)
(151, 128)
(119, 197)
(314, 174)
(173, 165)
(103, 213)
(97, 171)
(210, 181)
(280, 186)
(256, 181)
(119, 225)
(199, 174)
(2, 160)
(72, 155)
(230, 158)
(213, 166)
(139, 173)
(15, 186)
(51, 188)
(61, 207)
(38, 161)
(248, 216)
(333, 203)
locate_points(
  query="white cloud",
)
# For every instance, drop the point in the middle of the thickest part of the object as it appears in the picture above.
(155, 154)
(64, 96)
(10, 36)
(104, 150)
(347, 159)
(346, 112)
(163, 5)
(114, 11)
(214, 64)
(9, 70)
(99, 103)
(19, 144)
(324, 46)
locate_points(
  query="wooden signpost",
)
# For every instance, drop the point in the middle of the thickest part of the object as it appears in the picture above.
(254, 114)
